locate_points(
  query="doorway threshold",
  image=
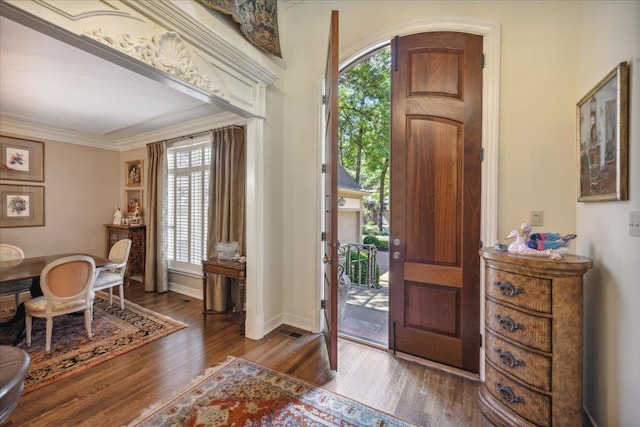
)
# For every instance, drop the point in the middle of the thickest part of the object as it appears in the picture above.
(410, 358)
(360, 340)
(439, 366)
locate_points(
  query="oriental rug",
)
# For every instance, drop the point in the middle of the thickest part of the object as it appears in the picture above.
(242, 393)
(115, 332)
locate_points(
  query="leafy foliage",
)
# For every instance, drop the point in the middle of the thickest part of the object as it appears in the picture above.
(364, 123)
(357, 268)
(381, 242)
(371, 240)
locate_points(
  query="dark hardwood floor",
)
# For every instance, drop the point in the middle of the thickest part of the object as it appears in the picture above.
(113, 393)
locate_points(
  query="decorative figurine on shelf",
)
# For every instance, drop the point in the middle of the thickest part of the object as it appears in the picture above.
(542, 241)
(520, 244)
(137, 217)
(117, 216)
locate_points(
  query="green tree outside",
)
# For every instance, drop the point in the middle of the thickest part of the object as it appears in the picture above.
(364, 92)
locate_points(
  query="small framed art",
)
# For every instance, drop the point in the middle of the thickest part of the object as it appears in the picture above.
(22, 206)
(21, 159)
(603, 133)
(133, 200)
(133, 170)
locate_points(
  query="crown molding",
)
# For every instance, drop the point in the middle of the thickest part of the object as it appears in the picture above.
(29, 129)
(166, 52)
(38, 131)
(182, 129)
(204, 38)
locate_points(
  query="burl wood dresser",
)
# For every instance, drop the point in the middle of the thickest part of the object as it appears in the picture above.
(533, 340)
(137, 257)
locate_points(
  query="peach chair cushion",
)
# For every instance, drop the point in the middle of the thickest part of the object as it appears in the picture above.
(63, 288)
(69, 279)
(67, 285)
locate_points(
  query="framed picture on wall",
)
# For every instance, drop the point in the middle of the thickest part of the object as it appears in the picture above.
(21, 159)
(133, 200)
(603, 133)
(22, 206)
(133, 171)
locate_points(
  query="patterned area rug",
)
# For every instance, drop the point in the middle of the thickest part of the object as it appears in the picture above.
(242, 393)
(115, 332)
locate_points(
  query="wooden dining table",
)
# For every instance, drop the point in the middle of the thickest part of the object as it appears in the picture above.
(30, 268)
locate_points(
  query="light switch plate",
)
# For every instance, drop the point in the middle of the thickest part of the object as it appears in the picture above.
(634, 224)
(537, 218)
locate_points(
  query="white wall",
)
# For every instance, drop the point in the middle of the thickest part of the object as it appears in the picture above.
(536, 148)
(546, 67)
(276, 258)
(609, 33)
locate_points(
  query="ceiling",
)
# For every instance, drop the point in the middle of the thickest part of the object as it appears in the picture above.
(48, 84)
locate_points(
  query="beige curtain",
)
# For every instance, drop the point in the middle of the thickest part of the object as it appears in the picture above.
(156, 271)
(226, 202)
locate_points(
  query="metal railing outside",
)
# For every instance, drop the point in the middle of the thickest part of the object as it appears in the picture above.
(358, 261)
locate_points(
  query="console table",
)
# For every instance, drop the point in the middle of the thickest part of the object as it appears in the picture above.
(226, 268)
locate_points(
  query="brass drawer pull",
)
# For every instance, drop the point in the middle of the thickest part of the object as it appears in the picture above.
(508, 324)
(507, 359)
(507, 289)
(507, 394)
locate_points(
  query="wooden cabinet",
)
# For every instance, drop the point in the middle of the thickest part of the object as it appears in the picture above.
(533, 340)
(137, 234)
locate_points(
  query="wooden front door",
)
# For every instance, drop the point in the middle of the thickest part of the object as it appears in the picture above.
(436, 120)
(330, 235)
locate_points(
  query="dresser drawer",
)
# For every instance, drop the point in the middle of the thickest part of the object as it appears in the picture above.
(527, 329)
(531, 405)
(524, 291)
(532, 368)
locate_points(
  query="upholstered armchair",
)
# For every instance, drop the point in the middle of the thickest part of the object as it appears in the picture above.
(67, 287)
(13, 255)
(112, 274)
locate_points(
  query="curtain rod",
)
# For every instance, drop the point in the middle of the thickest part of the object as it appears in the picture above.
(193, 135)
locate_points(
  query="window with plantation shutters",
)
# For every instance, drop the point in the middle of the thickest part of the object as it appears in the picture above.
(188, 197)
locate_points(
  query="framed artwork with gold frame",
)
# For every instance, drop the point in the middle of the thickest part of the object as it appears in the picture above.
(603, 134)
(133, 173)
(133, 199)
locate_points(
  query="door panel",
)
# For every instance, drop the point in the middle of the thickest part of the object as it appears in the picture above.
(436, 93)
(432, 308)
(330, 258)
(433, 170)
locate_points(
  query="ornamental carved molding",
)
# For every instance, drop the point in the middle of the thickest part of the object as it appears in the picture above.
(166, 52)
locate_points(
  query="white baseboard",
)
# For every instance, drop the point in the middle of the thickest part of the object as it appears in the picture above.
(273, 323)
(270, 325)
(297, 321)
(186, 290)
